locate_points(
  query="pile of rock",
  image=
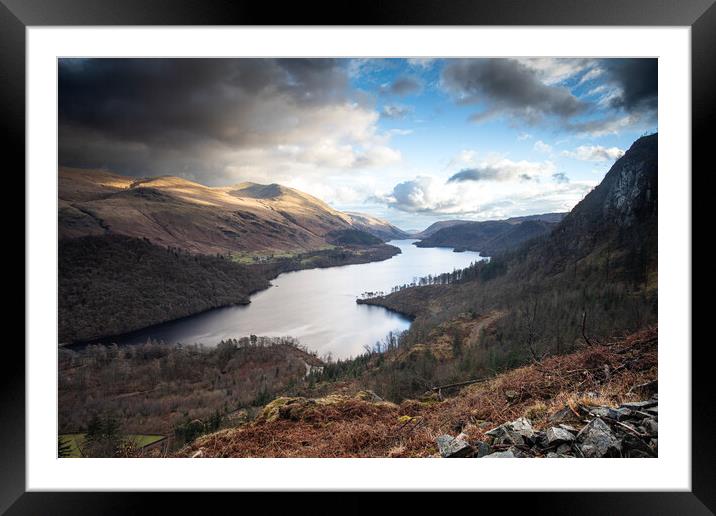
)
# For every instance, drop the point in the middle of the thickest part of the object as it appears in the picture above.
(631, 430)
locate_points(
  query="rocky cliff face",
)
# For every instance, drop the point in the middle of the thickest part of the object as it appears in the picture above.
(632, 192)
(628, 193)
(617, 221)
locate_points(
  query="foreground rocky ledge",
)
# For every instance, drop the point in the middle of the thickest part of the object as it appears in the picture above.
(630, 430)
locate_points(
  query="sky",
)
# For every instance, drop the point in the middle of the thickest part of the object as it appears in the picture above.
(412, 141)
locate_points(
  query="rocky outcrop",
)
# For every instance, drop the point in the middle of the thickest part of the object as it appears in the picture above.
(630, 430)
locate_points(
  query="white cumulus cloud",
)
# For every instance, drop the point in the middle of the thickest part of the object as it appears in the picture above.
(594, 153)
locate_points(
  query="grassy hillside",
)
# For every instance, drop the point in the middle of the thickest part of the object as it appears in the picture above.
(175, 212)
(352, 237)
(376, 227)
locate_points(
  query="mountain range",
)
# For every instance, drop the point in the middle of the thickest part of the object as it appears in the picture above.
(174, 212)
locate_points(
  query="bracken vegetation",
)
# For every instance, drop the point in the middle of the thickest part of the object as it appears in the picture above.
(359, 425)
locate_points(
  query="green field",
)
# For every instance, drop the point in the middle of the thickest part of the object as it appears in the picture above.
(247, 258)
(76, 440)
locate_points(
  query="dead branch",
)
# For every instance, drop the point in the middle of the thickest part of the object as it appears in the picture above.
(584, 326)
(459, 384)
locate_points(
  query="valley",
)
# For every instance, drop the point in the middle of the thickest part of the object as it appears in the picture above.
(485, 341)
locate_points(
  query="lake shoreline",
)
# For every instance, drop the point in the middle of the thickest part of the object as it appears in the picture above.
(271, 271)
(380, 301)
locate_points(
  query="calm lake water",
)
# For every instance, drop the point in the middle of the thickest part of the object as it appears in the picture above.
(317, 306)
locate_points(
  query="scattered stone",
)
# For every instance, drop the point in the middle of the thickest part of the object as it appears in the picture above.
(597, 440)
(483, 449)
(540, 440)
(651, 426)
(517, 432)
(654, 445)
(553, 455)
(510, 453)
(565, 415)
(640, 405)
(631, 442)
(556, 436)
(619, 414)
(449, 447)
(599, 411)
(630, 430)
(523, 427)
(564, 449)
(569, 428)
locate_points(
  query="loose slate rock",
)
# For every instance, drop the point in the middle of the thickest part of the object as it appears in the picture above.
(569, 428)
(564, 415)
(619, 414)
(556, 436)
(640, 405)
(651, 426)
(449, 447)
(600, 411)
(483, 449)
(597, 440)
(564, 449)
(516, 432)
(510, 453)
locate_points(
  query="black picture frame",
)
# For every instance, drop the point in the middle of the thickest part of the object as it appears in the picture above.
(700, 15)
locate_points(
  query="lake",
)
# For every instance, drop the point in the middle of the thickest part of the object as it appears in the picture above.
(317, 306)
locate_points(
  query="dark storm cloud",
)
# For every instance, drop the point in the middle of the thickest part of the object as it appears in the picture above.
(162, 108)
(167, 101)
(404, 85)
(638, 81)
(506, 86)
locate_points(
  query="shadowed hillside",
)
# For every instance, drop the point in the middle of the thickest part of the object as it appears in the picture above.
(488, 238)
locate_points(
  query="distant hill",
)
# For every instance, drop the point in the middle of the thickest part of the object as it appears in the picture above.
(377, 227)
(490, 237)
(175, 212)
(443, 224)
(437, 226)
(544, 217)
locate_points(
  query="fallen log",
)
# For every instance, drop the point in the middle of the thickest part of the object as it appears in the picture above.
(459, 384)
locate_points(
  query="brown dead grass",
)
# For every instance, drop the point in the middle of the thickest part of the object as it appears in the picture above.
(605, 374)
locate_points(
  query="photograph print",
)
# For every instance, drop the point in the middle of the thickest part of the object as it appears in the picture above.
(379, 257)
